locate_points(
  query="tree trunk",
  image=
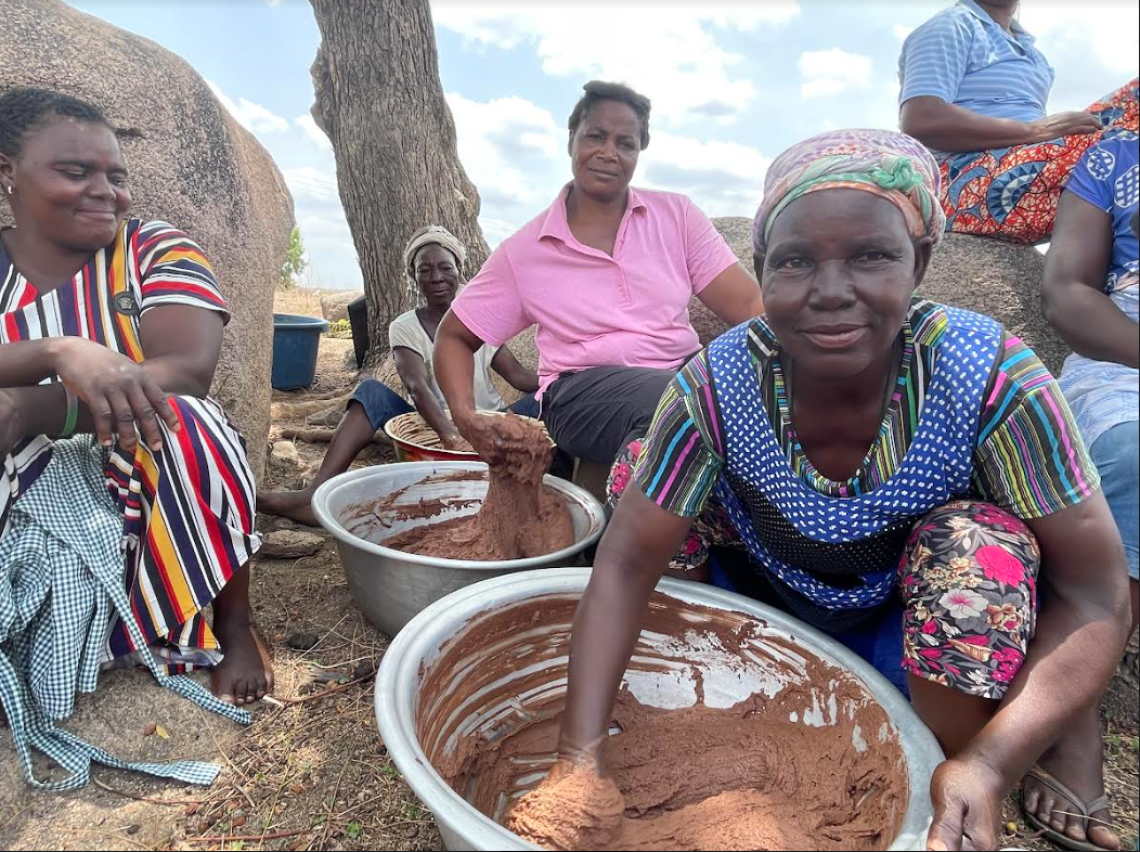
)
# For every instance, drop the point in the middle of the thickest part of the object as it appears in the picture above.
(380, 101)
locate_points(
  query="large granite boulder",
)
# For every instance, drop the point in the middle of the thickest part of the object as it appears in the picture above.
(1000, 280)
(334, 306)
(737, 231)
(191, 165)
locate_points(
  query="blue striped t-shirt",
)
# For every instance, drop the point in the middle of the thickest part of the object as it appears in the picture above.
(964, 57)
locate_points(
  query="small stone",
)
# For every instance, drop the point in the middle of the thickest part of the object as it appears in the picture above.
(290, 544)
(285, 453)
(133, 829)
(150, 730)
(302, 641)
(365, 669)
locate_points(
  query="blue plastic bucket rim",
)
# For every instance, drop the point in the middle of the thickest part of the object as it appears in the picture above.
(301, 323)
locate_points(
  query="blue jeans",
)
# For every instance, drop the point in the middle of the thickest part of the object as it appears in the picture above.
(1115, 455)
(381, 403)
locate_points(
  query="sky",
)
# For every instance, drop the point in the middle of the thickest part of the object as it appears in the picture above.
(732, 84)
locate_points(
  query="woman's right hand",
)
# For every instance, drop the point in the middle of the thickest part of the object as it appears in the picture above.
(11, 425)
(480, 432)
(122, 397)
(1065, 124)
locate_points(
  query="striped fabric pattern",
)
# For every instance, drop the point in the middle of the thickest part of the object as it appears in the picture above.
(188, 511)
(963, 57)
(1029, 458)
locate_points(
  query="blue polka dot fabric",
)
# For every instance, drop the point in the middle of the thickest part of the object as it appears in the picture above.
(937, 468)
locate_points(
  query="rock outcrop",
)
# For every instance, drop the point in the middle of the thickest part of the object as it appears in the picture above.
(191, 165)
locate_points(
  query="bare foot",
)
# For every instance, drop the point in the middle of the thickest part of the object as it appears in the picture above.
(245, 675)
(294, 505)
(1077, 760)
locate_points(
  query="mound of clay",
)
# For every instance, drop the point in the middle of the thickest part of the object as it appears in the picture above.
(519, 518)
(191, 164)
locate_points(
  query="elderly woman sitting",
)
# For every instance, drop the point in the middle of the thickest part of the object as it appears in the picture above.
(974, 89)
(901, 474)
(434, 260)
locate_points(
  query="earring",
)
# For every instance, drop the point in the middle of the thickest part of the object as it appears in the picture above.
(9, 188)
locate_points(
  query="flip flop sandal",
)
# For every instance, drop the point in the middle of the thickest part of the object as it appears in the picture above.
(1086, 810)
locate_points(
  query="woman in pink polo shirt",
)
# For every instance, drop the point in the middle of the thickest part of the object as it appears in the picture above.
(606, 273)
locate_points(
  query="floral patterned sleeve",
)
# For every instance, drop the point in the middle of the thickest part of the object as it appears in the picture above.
(682, 456)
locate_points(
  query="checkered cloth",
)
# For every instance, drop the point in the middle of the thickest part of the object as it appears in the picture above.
(61, 590)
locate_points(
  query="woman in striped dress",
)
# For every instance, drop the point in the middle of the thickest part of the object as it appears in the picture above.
(903, 475)
(111, 327)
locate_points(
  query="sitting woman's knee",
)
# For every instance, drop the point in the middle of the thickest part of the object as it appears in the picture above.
(969, 580)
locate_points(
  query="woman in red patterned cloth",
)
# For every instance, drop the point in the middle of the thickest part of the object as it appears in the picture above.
(111, 327)
(974, 90)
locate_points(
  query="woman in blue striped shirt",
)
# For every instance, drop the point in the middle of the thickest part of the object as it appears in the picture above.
(974, 90)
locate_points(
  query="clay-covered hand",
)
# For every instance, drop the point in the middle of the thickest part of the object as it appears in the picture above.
(455, 442)
(11, 425)
(485, 434)
(122, 397)
(1066, 124)
(573, 808)
(967, 796)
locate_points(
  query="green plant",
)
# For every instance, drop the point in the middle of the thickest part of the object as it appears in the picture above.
(340, 328)
(295, 262)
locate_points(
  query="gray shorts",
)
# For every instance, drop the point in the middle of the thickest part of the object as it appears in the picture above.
(593, 414)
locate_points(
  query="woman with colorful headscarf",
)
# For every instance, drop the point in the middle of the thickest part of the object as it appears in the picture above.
(897, 473)
(433, 262)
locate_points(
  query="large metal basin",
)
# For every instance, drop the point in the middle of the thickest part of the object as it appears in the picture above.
(392, 586)
(429, 691)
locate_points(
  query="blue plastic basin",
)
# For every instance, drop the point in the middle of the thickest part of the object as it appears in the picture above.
(296, 340)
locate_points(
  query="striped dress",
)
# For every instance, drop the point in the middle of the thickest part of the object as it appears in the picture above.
(188, 510)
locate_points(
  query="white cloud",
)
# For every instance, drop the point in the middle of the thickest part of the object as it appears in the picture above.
(312, 182)
(673, 55)
(507, 146)
(253, 117)
(1061, 32)
(902, 31)
(832, 72)
(309, 125)
(722, 178)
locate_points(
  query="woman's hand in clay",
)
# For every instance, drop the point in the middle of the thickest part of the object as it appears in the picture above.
(967, 797)
(482, 432)
(455, 442)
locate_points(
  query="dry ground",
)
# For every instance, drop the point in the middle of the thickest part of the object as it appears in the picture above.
(312, 774)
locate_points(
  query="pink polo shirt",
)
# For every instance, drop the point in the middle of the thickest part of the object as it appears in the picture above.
(593, 310)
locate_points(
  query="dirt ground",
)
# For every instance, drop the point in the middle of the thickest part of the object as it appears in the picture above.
(311, 773)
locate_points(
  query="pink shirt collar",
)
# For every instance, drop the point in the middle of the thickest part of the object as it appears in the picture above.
(557, 226)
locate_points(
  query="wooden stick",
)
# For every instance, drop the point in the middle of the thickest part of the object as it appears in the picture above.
(248, 838)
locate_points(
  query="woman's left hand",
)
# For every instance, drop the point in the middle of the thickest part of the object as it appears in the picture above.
(967, 796)
(11, 424)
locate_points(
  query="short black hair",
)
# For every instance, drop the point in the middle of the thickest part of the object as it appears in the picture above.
(599, 90)
(25, 109)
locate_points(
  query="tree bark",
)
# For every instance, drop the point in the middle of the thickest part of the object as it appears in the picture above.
(380, 101)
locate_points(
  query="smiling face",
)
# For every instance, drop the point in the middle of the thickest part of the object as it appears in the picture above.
(838, 277)
(70, 183)
(604, 150)
(437, 275)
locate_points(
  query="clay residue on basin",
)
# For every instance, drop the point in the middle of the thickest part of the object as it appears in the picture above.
(710, 747)
(519, 519)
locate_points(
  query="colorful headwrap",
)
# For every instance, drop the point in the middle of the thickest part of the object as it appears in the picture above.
(892, 165)
(432, 235)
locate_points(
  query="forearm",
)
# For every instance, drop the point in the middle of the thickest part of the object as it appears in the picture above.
(455, 370)
(1070, 663)
(1092, 325)
(26, 363)
(44, 410)
(945, 127)
(429, 408)
(606, 630)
